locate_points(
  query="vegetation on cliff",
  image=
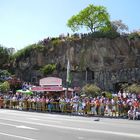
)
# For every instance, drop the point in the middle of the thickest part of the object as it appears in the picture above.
(132, 88)
(48, 69)
(25, 52)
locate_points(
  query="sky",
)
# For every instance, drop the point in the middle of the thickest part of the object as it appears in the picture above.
(24, 22)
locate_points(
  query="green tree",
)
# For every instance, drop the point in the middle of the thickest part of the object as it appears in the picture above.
(4, 87)
(4, 74)
(4, 56)
(93, 18)
(119, 26)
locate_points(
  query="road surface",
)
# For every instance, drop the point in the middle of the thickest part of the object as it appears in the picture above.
(20, 125)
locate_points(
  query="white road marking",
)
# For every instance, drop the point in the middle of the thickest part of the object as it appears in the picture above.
(26, 127)
(16, 136)
(18, 126)
(79, 129)
(7, 124)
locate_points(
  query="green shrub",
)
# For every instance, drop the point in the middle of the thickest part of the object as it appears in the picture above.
(134, 88)
(134, 35)
(56, 41)
(4, 87)
(91, 90)
(108, 94)
(105, 34)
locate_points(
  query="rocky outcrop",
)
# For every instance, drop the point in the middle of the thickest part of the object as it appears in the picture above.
(103, 61)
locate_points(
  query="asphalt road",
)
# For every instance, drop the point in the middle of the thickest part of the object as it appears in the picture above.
(20, 125)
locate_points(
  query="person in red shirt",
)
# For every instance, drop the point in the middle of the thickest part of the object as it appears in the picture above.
(136, 104)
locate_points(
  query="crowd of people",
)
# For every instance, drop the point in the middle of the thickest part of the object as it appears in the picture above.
(120, 105)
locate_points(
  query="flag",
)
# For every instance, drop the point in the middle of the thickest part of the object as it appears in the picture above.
(68, 80)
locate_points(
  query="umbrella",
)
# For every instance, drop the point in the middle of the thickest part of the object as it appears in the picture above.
(25, 91)
(83, 95)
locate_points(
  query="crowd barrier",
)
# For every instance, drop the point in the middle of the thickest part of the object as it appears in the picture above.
(63, 107)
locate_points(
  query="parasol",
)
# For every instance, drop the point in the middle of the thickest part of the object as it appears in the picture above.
(25, 91)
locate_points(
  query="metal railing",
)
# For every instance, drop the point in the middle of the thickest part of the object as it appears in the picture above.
(66, 107)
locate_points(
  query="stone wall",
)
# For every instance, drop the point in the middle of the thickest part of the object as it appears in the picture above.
(102, 61)
(109, 79)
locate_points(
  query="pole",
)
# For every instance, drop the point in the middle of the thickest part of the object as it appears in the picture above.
(86, 76)
(68, 77)
(66, 93)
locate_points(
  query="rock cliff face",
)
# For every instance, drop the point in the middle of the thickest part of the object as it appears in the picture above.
(103, 61)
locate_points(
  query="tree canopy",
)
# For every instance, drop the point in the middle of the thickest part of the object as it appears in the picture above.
(93, 18)
(119, 26)
(4, 56)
